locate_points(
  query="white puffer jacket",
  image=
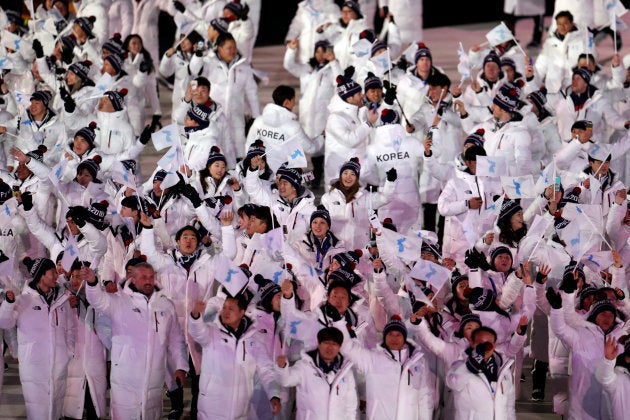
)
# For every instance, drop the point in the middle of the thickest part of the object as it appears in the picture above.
(309, 16)
(346, 136)
(616, 384)
(140, 349)
(553, 66)
(321, 396)
(46, 336)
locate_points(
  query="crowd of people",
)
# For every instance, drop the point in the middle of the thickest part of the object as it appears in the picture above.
(463, 226)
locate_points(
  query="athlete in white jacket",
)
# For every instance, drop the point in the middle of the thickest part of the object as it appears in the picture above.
(615, 377)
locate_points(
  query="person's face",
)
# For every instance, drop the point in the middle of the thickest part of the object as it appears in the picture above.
(348, 178)
(491, 71)
(605, 320)
(564, 25)
(80, 145)
(128, 212)
(227, 51)
(186, 45)
(201, 94)
(469, 328)
(503, 263)
(347, 14)
(37, 108)
(535, 109)
(334, 266)
(243, 221)
(319, 227)
(516, 221)
(84, 177)
(72, 227)
(108, 68)
(49, 279)
(231, 314)
(22, 172)
(356, 99)
(600, 168)
(187, 243)
(484, 337)
(395, 340)
(78, 32)
(71, 78)
(471, 165)
(582, 135)
(374, 95)
(499, 113)
(213, 34)
(434, 93)
(286, 190)
(60, 270)
(256, 226)
(275, 302)
(105, 105)
(217, 170)
(459, 290)
(157, 188)
(75, 279)
(340, 299)
(319, 55)
(423, 65)
(135, 45)
(509, 72)
(588, 301)
(578, 85)
(228, 14)
(144, 280)
(62, 7)
(328, 350)
(428, 256)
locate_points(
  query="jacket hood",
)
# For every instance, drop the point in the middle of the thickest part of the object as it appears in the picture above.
(389, 135)
(339, 105)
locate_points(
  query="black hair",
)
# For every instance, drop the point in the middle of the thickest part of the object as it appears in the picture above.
(508, 236)
(265, 215)
(202, 81)
(484, 329)
(145, 54)
(180, 232)
(566, 14)
(223, 38)
(438, 79)
(242, 299)
(282, 93)
(330, 334)
(472, 152)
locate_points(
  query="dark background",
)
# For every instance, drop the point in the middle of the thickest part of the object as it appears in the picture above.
(276, 16)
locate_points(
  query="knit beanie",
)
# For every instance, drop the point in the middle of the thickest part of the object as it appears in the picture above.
(353, 164)
(538, 98)
(97, 211)
(159, 175)
(587, 290)
(92, 166)
(482, 299)
(372, 82)
(257, 148)
(599, 307)
(86, 24)
(238, 8)
(395, 324)
(200, 114)
(42, 95)
(6, 192)
(346, 87)
(322, 213)
(492, 57)
(506, 61)
(388, 223)
(423, 51)
(509, 208)
(116, 62)
(88, 134)
(455, 280)
(348, 260)
(68, 42)
(389, 116)
(570, 268)
(114, 45)
(476, 138)
(38, 266)
(267, 289)
(38, 154)
(293, 176)
(584, 73)
(507, 98)
(117, 98)
(354, 6)
(215, 156)
(220, 25)
(81, 69)
(377, 46)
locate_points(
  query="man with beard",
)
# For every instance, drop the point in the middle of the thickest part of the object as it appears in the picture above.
(145, 334)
